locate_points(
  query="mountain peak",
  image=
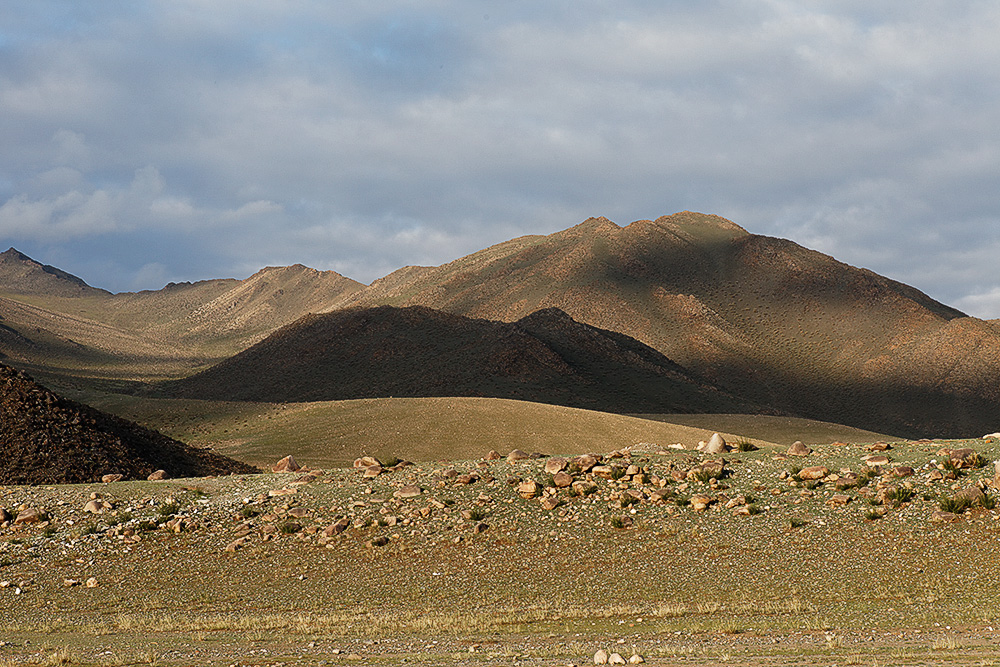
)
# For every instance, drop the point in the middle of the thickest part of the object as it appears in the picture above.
(20, 274)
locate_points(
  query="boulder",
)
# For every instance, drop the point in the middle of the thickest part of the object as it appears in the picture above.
(585, 462)
(555, 464)
(528, 489)
(562, 480)
(838, 500)
(157, 476)
(601, 657)
(493, 455)
(583, 487)
(372, 471)
(31, 515)
(798, 448)
(616, 659)
(903, 471)
(550, 503)
(366, 462)
(847, 480)
(115, 477)
(878, 447)
(716, 445)
(604, 472)
(876, 461)
(287, 464)
(518, 455)
(972, 495)
(636, 659)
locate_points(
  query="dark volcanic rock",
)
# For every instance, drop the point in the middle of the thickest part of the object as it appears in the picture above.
(46, 439)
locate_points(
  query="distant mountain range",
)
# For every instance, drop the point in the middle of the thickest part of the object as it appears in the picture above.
(757, 321)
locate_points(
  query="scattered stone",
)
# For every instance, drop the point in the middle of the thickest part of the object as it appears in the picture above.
(700, 502)
(372, 471)
(518, 455)
(157, 476)
(274, 493)
(814, 472)
(847, 480)
(529, 489)
(493, 455)
(337, 528)
(838, 500)
(299, 512)
(604, 472)
(798, 448)
(480, 528)
(944, 517)
(876, 461)
(903, 471)
(636, 659)
(878, 447)
(70, 583)
(737, 501)
(379, 541)
(408, 491)
(555, 464)
(236, 544)
(601, 657)
(716, 445)
(550, 503)
(973, 495)
(91, 583)
(108, 479)
(616, 659)
(287, 464)
(583, 487)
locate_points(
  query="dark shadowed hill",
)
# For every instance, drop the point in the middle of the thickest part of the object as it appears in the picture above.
(46, 439)
(545, 357)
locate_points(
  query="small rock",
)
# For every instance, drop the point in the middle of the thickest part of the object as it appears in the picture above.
(838, 500)
(236, 544)
(798, 448)
(903, 471)
(616, 659)
(847, 480)
(380, 541)
(700, 502)
(157, 476)
(636, 659)
(585, 461)
(878, 447)
(944, 517)
(367, 462)
(108, 479)
(287, 464)
(70, 583)
(408, 491)
(876, 461)
(372, 471)
(601, 657)
(493, 455)
(98, 506)
(550, 503)
(480, 528)
(91, 583)
(814, 472)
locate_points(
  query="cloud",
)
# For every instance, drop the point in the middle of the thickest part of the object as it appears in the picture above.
(370, 135)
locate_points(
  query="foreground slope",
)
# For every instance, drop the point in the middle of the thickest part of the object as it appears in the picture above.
(46, 439)
(764, 318)
(545, 357)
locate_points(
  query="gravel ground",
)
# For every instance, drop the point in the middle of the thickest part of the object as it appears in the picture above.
(252, 570)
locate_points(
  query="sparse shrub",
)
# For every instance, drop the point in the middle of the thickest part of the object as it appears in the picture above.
(795, 522)
(289, 527)
(949, 466)
(745, 446)
(811, 484)
(249, 511)
(902, 496)
(980, 461)
(125, 517)
(477, 514)
(628, 501)
(794, 471)
(169, 509)
(873, 515)
(88, 529)
(146, 526)
(617, 522)
(681, 501)
(754, 510)
(391, 462)
(50, 531)
(989, 502)
(617, 472)
(874, 501)
(954, 504)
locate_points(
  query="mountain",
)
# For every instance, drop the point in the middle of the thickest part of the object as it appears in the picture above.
(763, 318)
(47, 439)
(19, 274)
(156, 333)
(545, 357)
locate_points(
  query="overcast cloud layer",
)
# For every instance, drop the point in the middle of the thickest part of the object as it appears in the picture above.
(165, 141)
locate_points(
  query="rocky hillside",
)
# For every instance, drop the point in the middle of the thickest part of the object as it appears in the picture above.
(762, 317)
(546, 357)
(46, 439)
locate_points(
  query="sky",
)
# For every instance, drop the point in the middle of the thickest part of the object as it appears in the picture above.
(154, 142)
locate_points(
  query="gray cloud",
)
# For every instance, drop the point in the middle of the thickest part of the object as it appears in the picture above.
(213, 140)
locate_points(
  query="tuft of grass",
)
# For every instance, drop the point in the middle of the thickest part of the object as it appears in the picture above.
(902, 496)
(169, 509)
(746, 446)
(477, 514)
(249, 511)
(617, 522)
(795, 522)
(873, 515)
(290, 527)
(954, 504)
